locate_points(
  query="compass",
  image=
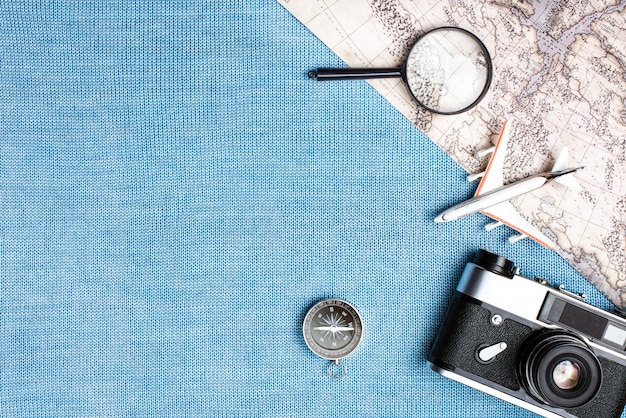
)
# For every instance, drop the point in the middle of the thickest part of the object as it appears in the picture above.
(333, 329)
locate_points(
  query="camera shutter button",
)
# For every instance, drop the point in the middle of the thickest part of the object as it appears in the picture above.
(487, 354)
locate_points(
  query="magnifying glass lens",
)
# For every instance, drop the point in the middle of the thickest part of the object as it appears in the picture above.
(448, 70)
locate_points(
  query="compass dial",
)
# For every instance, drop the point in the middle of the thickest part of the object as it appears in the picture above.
(332, 329)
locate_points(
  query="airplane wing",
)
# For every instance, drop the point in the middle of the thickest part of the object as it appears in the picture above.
(506, 213)
(492, 178)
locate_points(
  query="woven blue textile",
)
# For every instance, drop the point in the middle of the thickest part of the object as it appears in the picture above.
(175, 194)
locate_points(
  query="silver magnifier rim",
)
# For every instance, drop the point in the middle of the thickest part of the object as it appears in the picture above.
(488, 78)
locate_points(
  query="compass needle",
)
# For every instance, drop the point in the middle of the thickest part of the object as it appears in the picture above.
(332, 328)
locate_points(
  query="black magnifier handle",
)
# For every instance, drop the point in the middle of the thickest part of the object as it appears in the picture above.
(326, 74)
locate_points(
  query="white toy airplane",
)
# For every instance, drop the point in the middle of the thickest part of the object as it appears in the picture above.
(491, 197)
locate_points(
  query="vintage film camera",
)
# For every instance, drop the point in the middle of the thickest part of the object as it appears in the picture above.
(538, 347)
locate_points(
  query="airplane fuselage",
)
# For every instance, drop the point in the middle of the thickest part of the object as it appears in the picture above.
(493, 197)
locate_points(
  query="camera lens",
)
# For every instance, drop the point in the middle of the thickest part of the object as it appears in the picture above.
(557, 368)
(566, 375)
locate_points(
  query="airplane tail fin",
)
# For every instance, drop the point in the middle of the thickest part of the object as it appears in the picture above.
(562, 160)
(567, 180)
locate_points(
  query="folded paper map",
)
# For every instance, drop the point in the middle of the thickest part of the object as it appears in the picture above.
(559, 78)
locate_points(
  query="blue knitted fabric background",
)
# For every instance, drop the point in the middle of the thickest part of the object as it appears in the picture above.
(175, 193)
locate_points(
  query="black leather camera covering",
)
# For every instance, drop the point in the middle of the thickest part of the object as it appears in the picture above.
(468, 327)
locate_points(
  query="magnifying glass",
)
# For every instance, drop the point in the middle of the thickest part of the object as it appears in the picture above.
(447, 71)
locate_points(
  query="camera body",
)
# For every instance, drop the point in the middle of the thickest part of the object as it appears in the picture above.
(539, 347)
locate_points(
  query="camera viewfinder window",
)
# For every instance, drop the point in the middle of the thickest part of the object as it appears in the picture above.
(615, 335)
